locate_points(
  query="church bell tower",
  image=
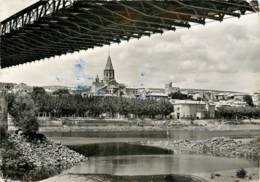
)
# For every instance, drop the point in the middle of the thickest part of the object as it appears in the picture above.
(109, 73)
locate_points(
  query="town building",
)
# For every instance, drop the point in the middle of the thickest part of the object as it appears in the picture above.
(52, 88)
(14, 87)
(7, 86)
(237, 96)
(189, 109)
(212, 95)
(108, 86)
(256, 99)
(157, 96)
(210, 110)
(131, 92)
(170, 89)
(230, 103)
(22, 87)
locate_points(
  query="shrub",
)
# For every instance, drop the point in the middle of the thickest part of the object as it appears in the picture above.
(170, 178)
(241, 173)
(22, 108)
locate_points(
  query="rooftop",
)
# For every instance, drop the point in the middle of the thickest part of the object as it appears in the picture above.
(177, 101)
(109, 65)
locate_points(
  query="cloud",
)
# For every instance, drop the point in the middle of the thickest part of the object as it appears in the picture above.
(177, 78)
(201, 80)
(215, 56)
(10, 7)
(187, 66)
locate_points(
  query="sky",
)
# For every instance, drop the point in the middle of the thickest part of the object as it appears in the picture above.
(222, 56)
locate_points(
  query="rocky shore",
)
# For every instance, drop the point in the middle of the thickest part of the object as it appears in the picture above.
(26, 160)
(219, 146)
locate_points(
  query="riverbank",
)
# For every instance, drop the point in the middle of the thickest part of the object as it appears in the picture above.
(147, 128)
(221, 127)
(218, 146)
(153, 129)
(24, 160)
(106, 125)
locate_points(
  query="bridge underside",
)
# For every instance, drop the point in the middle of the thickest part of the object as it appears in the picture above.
(56, 27)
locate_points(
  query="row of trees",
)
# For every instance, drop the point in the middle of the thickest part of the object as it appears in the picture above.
(237, 113)
(64, 104)
(24, 107)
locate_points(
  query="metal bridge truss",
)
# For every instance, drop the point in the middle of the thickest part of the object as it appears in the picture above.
(55, 27)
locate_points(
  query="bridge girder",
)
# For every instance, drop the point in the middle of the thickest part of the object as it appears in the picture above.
(55, 27)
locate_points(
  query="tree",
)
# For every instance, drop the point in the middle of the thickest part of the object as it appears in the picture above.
(38, 92)
(241, 173)
(61, 92)
(166, 108)
(179, 95)
(39, 97)
(68, 105)
(248, 99)
(22, 108)
(238, 112)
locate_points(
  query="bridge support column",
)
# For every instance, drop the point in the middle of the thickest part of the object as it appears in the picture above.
(3, 116)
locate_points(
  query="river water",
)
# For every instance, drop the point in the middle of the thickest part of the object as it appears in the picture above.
(172, 134)
(78, 138)
(110, 154)
(158, 164)
(132, 159)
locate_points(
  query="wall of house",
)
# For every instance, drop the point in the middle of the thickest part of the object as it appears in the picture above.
(188, 111)
(210, 111)
(256, 99)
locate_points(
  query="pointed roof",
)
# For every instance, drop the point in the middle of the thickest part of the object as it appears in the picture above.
(109, 65)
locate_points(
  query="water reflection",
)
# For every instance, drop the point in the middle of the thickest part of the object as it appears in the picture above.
(158, 164)
(108, 149)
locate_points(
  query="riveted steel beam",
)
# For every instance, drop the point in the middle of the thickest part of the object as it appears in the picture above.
(56, 27)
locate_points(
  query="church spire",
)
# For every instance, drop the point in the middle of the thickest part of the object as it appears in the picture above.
(109, 65)
(109, 73)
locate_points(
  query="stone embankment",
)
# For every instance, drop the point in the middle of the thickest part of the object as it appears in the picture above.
(36, 160)
(219, 146)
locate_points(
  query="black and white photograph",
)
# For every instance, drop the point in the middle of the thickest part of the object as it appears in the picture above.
(130, 90)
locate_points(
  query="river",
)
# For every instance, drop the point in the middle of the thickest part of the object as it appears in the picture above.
(158, 164)
(78, 138)
(172, 134)
(108, 156)
(131, 159)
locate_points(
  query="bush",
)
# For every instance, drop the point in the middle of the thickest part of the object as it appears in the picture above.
(170, 178)
(21, 107)
(241, 173)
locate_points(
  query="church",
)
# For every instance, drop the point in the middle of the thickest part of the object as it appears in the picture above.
(108, 86)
